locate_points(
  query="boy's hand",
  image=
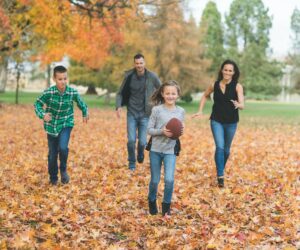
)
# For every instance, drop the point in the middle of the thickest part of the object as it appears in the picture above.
(167, 132)
(47, 117)
(85, 119)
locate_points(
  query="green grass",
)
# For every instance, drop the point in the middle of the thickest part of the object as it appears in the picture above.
(258, 111)
(254, 110)
(29, 98)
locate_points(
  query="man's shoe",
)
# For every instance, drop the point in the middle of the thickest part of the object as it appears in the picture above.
(140, 153)
(65, 177)
(140, 159)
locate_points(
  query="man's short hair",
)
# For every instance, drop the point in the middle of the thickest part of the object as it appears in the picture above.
(59, 69)
(138, 56)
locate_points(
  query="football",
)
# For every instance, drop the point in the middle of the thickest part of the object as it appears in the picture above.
(175, 126)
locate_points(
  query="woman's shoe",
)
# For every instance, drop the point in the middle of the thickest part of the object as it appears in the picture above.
(152, 207)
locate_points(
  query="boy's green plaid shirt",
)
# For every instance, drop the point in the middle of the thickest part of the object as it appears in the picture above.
(60, 106)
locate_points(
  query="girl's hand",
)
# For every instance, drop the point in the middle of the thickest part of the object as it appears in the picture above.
(199, 114)
(183, 126)
(47, 117)
(236, 104)
(167, 132)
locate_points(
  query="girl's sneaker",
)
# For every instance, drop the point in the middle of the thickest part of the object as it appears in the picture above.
(221, 181)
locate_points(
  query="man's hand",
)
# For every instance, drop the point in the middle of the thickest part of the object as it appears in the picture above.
(85, 119)
(47, 117)
(119, 111)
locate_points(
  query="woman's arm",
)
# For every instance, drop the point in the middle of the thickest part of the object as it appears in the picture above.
(204, 97)
(239, 104)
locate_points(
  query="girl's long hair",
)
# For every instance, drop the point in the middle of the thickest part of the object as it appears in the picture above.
(157, 97)
(235, 77)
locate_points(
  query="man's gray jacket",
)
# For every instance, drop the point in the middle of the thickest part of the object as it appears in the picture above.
(152, 84)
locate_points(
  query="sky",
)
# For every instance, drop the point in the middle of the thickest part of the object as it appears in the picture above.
(280, 11)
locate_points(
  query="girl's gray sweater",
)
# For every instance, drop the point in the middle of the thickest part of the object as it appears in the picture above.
(160, 116)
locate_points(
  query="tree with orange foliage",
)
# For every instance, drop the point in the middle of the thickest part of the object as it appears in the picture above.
(178, 53)
(81, 30)
(15, 40)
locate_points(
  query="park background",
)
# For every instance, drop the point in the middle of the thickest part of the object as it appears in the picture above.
(104, 206)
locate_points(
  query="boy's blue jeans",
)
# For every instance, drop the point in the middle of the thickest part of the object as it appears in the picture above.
(58, 146)
(136, 124)
(156, 160)
(223, 135)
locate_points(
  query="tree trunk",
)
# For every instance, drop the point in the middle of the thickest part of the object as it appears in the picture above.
(48, 75)
(3, 75)
(107, 98)
(91, 90)
(17, 87)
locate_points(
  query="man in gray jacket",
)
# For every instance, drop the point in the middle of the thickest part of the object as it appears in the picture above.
(135, 92)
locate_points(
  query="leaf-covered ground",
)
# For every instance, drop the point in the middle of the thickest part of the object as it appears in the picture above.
(105, 207)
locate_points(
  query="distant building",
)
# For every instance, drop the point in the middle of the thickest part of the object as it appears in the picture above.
(286, 84)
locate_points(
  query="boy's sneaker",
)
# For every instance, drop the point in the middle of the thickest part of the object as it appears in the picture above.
(65, 177)
(53, 182)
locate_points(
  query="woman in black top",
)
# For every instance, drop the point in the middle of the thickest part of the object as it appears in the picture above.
(228, 99)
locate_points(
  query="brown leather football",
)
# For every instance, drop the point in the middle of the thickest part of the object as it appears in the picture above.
(175, 126)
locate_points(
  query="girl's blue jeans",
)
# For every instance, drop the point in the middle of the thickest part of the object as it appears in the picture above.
(223, 135)
(156, 160)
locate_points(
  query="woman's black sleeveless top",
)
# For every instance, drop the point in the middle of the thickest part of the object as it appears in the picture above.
(223, 110)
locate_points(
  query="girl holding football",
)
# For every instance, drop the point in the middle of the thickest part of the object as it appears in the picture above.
(163, 147)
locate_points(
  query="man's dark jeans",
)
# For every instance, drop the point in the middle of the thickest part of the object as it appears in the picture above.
(133, 125)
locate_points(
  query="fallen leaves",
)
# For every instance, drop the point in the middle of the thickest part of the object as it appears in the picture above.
(105, 206)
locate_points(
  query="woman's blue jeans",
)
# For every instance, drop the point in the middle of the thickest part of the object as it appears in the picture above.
(223, 135)
(136, 124)
(156, 160)
(58, 146)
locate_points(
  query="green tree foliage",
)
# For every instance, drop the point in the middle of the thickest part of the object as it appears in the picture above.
(247, 40)
(80, 74)
(295, 56)
(211, 36)
(295, 26)
(85, 76)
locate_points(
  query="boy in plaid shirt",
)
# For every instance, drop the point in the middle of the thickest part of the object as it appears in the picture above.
(55, 107)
